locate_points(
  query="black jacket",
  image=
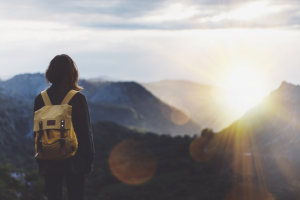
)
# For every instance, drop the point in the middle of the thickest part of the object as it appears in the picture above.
(83, 158)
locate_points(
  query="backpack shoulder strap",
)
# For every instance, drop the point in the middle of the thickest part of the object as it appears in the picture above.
(69, 97)
(46, 98)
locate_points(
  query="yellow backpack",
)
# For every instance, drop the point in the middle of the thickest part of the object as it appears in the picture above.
(55, 136)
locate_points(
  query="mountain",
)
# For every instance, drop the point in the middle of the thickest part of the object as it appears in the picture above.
(26, 85)
(273, 127)
(130, 104)
(126, 103)
(204, 102)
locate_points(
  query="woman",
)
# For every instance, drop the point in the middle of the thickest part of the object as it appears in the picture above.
(63, 75)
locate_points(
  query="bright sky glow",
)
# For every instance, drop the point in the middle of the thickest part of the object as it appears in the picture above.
(245, 88)
(149, 55)
(247, 12)
(253, 10)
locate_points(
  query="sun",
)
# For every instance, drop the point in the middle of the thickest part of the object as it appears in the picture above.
(244, 88)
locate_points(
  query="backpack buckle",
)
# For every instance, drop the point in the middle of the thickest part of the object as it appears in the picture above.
(40, 145)
(62, 142)
(62, 139)
(62, 145)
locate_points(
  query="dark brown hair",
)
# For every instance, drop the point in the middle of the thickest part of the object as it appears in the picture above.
(62, 72)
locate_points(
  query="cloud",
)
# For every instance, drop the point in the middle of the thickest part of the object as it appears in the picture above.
(151, 40)
(157, 14)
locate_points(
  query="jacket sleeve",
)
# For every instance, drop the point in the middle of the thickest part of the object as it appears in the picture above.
(89, 140)
(38, 104)
(83, 129)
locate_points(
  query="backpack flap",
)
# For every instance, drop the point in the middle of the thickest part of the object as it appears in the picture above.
(51, 117)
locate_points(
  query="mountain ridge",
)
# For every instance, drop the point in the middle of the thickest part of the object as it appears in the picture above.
(127, 103)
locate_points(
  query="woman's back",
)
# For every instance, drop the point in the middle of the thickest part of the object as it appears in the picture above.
(82, 128)
(75, 168)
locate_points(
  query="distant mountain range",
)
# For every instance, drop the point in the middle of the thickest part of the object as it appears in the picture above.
(126, 103)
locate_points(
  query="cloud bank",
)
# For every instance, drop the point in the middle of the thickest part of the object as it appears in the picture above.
(152, 40)
(158, 14)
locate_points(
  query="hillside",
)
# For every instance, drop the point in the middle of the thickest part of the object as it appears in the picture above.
(175, 174)
(159, 163)
(15, 127)
(148, 162)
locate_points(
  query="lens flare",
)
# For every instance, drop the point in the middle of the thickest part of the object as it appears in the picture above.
(180, 117)
(176, 103)
(131, 163)
(175, 111)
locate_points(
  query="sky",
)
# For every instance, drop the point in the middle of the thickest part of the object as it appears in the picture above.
(153, 40)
